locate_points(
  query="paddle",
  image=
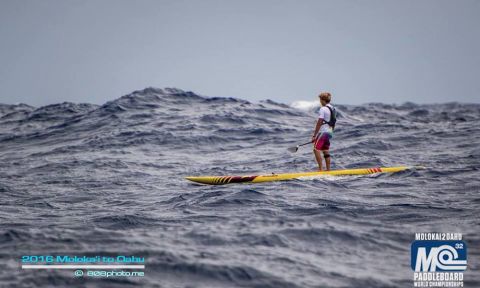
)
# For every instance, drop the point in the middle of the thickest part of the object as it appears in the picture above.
(295, 149)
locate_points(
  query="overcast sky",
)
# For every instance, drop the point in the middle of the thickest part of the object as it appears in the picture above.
(362, 51)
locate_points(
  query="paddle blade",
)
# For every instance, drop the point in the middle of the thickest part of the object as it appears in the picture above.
(293, 149)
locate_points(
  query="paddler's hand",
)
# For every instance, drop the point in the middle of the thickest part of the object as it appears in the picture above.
(313, 138)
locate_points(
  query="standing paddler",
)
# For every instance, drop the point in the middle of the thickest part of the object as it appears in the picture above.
(324, 130)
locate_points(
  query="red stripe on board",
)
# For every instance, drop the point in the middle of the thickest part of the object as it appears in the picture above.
(240, 179)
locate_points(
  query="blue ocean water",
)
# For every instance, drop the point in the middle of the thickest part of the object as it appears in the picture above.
(83, 179)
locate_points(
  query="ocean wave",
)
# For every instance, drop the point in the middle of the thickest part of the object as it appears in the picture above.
(109, 178)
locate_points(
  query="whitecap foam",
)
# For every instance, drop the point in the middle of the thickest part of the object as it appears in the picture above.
(305, 105)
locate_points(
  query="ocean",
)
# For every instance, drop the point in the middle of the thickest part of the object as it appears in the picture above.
(88, 180)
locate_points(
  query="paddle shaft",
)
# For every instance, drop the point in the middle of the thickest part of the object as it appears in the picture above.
(305, 144)
(295, 149)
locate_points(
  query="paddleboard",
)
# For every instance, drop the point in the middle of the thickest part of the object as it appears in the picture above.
(222, 180)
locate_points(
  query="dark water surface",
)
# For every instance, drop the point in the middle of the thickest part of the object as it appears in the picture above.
(83, 179)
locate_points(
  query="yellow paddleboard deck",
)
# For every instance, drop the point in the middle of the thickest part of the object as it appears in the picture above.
(221, 180)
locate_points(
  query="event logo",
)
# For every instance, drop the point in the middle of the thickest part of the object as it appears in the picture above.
(438, 259)
(431, 256)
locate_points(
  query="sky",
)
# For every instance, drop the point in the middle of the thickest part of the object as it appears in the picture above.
(94, 51)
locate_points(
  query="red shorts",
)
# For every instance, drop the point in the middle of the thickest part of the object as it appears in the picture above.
(322, 142)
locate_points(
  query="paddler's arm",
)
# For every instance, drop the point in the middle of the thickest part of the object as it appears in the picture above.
(317, 128)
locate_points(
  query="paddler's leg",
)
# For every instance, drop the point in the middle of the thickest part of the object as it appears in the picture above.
(326, 155)
(325, 148)
(322, 144)
(318, 157)
(317, 147)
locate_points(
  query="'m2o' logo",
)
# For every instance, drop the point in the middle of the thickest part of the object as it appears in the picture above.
(442, 256)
